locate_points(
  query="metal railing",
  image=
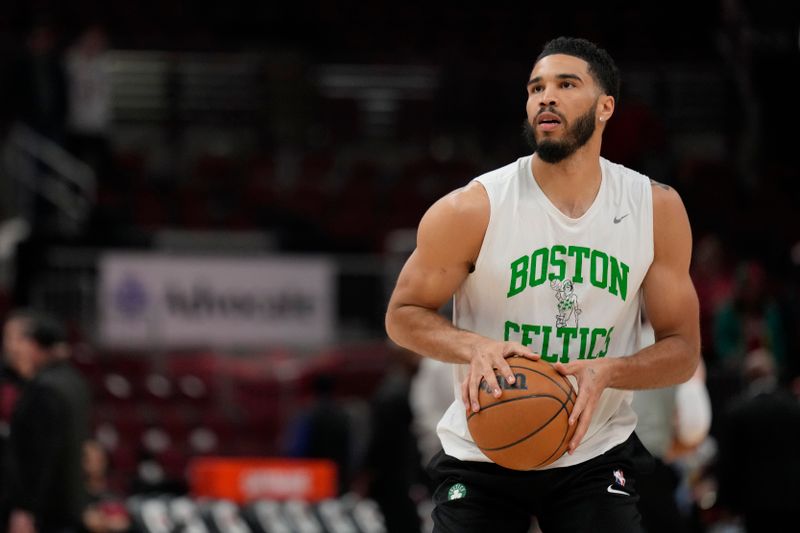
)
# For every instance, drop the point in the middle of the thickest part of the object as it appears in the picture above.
(38, 168)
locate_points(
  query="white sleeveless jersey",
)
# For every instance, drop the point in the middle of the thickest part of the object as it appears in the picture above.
(566, 287)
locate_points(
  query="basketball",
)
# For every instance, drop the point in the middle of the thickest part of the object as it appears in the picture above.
(527, 427)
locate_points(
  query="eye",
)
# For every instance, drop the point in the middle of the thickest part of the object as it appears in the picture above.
(567, 84)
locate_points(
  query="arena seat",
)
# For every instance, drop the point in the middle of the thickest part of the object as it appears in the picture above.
(223, 516)
(150, 515)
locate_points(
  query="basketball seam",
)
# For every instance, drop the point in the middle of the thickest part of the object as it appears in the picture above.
(535, 431)
(557, 384)
(563, 440)
(514, 399)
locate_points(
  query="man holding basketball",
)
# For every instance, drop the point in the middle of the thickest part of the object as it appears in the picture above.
(504, 246)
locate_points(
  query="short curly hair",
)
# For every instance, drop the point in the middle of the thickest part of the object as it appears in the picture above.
(601, 65)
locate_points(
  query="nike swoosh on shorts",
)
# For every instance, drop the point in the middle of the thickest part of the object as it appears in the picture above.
(612, 490)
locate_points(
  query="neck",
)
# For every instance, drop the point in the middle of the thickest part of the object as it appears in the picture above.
(572, 184)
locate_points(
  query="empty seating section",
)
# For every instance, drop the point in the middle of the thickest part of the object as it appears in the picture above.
(169, 407)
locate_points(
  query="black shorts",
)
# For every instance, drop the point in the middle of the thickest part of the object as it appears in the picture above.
(596, 496)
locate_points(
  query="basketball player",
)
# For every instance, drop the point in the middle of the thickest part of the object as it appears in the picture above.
(561, 214)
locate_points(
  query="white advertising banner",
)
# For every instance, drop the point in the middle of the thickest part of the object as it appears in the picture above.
(155, 300)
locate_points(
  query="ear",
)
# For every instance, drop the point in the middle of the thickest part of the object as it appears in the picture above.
(605, 107)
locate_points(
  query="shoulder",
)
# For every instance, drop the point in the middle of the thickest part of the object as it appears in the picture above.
(459, 219)
(666, 201)
(461, 212)
(470, 200)
(671, 228)
(475, 198)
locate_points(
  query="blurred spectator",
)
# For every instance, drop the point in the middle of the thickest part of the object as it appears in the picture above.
(392, 465)
(713, 279)
(673, 422)
(39, 93)
(49, 425)
(431, 394)
(749, 319)
(757, 468)
(789, 303)
(11, 384)
(323, 430)
(106, 511)
(87, 65)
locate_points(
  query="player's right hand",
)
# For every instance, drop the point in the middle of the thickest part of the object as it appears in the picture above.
(488, 357)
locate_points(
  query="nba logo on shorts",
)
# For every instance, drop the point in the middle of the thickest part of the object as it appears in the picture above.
(619, 477)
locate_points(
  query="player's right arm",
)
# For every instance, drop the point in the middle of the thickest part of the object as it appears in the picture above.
(449, 239)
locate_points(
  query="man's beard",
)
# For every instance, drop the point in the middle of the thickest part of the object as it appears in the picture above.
(555, 151)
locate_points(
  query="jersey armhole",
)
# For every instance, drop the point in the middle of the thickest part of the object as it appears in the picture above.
(650, 228)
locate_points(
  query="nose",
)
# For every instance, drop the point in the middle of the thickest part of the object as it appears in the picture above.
(547, 102)
(547, 97)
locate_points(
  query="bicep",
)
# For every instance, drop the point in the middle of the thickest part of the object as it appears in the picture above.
(427, 282)
(671, 303)
(669, 294)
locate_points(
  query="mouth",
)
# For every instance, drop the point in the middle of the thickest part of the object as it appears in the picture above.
(548, 121)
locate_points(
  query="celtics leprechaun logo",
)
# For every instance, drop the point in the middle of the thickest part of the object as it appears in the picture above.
(568, 309)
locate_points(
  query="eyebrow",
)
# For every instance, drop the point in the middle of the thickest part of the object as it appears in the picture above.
(537, 79)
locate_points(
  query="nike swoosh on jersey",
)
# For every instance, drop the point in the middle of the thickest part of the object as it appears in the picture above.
(618, 220)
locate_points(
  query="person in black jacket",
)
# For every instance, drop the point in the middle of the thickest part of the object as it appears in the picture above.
(49, 426)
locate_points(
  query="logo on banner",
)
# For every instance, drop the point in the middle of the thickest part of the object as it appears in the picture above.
(176, 301)
(130, 297)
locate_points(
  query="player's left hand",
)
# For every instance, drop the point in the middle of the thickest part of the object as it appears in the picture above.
(593, 378)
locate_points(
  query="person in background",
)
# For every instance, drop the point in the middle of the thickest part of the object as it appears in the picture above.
(749, 319)
(430, 396)
(88, 73)
(106, 511)
(513, 248)
(38, 93)
(712, 271)
(672, 423)
(392, 467)
(323, 430)
(49, 426)
(757, 468)
(11, 384)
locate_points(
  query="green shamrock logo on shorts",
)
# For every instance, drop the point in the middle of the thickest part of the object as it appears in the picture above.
(456, 492)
